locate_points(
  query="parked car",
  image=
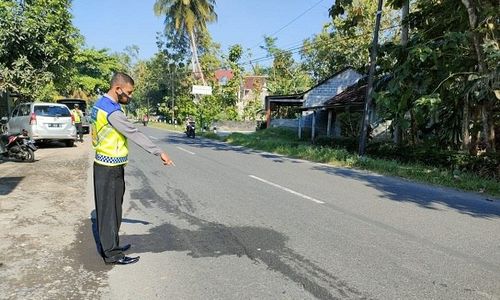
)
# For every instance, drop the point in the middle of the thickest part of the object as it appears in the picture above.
(44, 122)
(82, 104)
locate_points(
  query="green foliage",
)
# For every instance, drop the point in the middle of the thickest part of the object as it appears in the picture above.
(184, 17)
(285, 76)
(187, 20)
(478, 174)
(350, 123)
(37, 43)
(347, 39)
(92, 72)
(485, 165)
(433, 75)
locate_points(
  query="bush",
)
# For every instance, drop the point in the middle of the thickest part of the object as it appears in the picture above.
(350, 144)
(485, 165)
(344, 149)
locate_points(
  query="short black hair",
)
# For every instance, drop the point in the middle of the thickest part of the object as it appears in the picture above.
(121, 78)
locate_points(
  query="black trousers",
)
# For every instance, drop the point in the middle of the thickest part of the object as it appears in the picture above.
(109, 188)
(79, 130)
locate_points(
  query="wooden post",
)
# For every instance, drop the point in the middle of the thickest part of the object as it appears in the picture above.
(313, 127)
(300, 126)
(329, 126)
(268, 116)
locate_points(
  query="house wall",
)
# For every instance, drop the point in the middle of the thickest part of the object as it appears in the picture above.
(321, 121)
(248, 94)
(330, 88)
(287, 123)
(320, 94)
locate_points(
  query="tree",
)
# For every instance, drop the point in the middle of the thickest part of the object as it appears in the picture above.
(346, 40)
(436, 89)
(188, 18)
(37, 43)
(285, 75)
(92, 71)
(486, 16)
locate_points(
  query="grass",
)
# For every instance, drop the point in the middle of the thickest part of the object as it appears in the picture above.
(165, 126)
(286, 143)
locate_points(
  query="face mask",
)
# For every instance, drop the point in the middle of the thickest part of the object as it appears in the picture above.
(123, 98)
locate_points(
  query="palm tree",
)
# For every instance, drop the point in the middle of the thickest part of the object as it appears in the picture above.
(188, 18)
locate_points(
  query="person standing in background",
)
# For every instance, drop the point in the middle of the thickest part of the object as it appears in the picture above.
(77, 116)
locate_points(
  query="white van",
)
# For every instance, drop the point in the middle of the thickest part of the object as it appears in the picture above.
(44, 121)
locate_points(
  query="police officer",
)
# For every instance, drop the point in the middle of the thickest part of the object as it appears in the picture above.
(78, 115)
(110, 131)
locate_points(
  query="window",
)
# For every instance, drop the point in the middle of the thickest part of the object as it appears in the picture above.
(14, 112)
(223, 80)
(24, 110)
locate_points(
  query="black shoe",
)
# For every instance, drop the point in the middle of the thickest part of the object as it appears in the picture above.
(125, 248)
(126, 260)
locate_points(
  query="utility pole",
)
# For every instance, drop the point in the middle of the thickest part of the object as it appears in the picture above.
(172, 94)
(368, 102)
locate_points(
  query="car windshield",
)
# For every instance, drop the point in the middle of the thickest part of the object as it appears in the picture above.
(52, 111)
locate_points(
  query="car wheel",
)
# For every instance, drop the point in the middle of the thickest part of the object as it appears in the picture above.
(70, 143)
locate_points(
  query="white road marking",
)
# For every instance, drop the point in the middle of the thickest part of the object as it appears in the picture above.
(154, 138)
(192, 153)
(287, 190)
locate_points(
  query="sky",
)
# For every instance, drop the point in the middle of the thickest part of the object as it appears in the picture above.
(116, 24)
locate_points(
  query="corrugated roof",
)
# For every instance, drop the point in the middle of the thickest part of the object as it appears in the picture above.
(353, 94)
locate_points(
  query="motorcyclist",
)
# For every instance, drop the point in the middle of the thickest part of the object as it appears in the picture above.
(188, 122)
(190, 127)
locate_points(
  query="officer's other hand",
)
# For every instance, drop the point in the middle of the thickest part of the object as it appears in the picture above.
(166, 160)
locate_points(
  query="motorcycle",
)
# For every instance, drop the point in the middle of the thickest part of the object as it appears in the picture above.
(3, 125)
(17, 146)
(190, 130)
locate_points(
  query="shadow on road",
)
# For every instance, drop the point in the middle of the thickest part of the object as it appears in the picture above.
(211, 239)
(51, 144)
(423, 195)
(95, 231)
(8, 184)
(220, 146)
(392, 188)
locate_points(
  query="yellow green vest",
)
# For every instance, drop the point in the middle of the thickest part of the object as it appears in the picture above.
(76, 116)
(111, 147)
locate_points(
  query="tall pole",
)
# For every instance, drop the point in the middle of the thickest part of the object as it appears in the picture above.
(172, 94)
(369, 88)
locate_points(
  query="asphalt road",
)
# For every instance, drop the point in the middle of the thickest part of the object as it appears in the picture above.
(233, 223)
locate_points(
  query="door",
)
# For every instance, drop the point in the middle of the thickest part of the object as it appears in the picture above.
(12, 124)
(24, 117)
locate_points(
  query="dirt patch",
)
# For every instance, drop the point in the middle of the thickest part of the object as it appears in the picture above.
(47, 248)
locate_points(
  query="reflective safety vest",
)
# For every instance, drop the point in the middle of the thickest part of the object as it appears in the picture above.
(76, 116)
(111, 148)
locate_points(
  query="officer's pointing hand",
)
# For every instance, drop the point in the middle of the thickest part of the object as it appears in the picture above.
(166, 160)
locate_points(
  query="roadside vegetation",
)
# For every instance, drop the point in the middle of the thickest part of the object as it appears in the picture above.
(437, 79)
(166, 126)
(339, 153)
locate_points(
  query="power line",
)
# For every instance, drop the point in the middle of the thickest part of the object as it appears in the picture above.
(295, 50)
(293, 20)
